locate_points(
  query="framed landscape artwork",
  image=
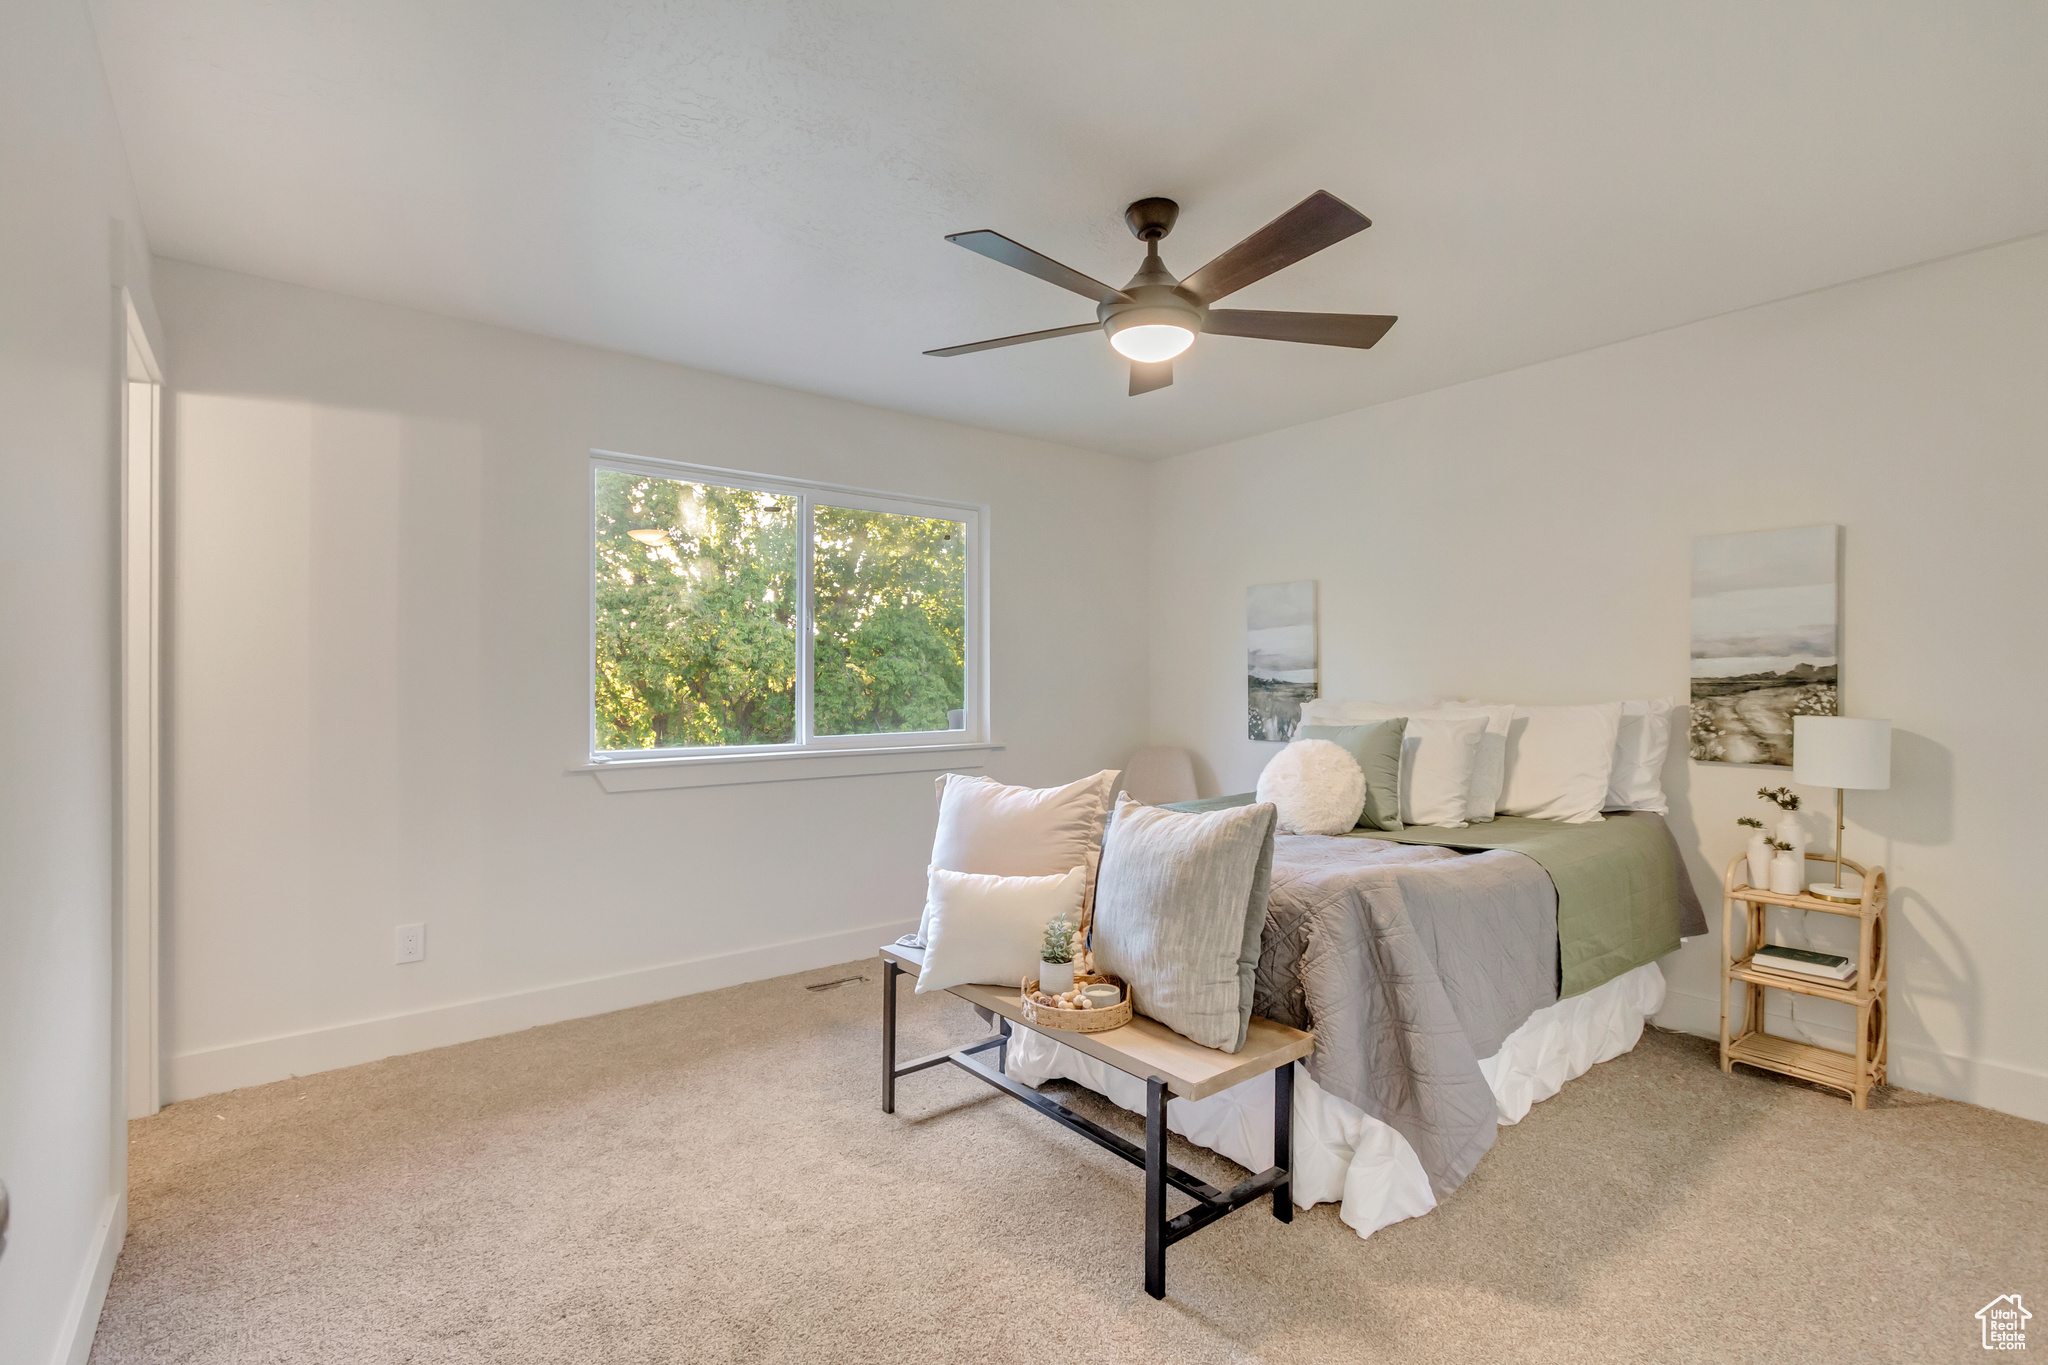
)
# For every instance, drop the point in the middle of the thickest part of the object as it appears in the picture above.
(1765, 630)
(1280, 657)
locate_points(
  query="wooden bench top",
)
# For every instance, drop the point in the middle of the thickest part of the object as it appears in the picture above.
(1145, 1047)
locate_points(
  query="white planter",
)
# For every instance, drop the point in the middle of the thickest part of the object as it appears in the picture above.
(1759, 862)
(1055, 978)
(1788, 874)
(1792, 830)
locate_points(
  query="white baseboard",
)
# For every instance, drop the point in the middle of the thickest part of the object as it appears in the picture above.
(1687, 1013)
(2014, 1090)
(82, 1323)
(209, 1071)
(2008, 1089)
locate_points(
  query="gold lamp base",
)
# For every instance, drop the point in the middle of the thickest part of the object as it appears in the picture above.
(1834, 890)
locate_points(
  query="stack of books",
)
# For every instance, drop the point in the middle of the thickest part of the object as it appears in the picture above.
(1804, 962)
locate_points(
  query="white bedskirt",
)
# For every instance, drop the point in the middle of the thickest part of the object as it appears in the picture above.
(1341, 1152)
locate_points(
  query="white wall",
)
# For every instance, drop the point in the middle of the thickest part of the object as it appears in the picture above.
(1527, 536)
(69, 239)
(379, 672)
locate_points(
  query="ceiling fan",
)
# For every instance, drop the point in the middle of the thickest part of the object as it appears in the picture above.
(1155, 317)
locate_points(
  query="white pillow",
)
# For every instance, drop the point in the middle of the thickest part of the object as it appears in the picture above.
(1317, 787)
(1488, 770)
(985, 826)
(1438, 756)
(1489, 773)
(1558, 761)
(988, 930)
(1640, 745)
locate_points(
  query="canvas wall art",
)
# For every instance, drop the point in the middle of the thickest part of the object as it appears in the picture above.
(1765, 627)
(1280, 656)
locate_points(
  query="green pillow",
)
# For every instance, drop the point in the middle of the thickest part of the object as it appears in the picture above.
(1377, 747)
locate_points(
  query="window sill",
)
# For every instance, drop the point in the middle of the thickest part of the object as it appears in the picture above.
(670, 772)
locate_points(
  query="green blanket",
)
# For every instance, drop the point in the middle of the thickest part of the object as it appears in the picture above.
(1620, 891)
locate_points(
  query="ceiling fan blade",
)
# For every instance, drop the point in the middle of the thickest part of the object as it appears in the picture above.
(1018, 339)
(1317, 329)
(1147, 377)
(997, 247)
(1318, 221)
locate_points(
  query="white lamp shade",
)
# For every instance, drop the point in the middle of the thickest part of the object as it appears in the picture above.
(1835, 751)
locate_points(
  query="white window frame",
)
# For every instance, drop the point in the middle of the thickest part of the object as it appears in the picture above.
(926, 749)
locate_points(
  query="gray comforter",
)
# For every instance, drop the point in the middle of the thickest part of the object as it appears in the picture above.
(1410, 963)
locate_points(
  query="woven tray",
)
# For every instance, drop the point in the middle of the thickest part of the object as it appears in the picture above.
(1078, 1021)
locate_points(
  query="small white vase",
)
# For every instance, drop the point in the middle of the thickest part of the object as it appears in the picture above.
(1055, 978)
(1792, 830)
(1759, 862)
(1788, 874)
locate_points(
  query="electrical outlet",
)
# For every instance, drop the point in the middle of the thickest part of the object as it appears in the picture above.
(412, 943)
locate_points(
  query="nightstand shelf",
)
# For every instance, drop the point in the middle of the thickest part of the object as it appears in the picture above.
(1743, 1038)
(1798, 985)
(1822, 1065)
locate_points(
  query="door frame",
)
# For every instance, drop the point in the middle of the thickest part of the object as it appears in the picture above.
(141, 716)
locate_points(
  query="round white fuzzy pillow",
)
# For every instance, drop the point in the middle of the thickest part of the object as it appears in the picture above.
(1318, 787)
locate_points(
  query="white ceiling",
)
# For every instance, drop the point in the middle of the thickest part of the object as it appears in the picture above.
(763, 188)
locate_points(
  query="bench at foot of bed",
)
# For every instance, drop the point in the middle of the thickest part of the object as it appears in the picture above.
(1168, 1064)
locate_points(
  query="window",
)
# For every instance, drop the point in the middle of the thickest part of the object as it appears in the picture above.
(734, 614)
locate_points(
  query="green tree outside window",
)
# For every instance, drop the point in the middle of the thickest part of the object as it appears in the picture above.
(890, 621)
(696, 597)
(696, 614)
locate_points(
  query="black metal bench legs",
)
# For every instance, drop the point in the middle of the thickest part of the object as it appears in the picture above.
(1155, 1187)
(890, 1071)
(890, 971)
(1161, 1232)
(1283, 1142)
(1211, 1203)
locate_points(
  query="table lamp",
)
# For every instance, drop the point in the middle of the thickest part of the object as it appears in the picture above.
(1835, 751)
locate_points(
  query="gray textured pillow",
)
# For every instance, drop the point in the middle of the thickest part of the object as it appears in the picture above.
(1180, 908)
(1377, 747)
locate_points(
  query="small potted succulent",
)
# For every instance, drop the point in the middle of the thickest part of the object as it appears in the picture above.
(1759, 852)
(1056, 957)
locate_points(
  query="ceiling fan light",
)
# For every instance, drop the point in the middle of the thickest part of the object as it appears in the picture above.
(1151, 343)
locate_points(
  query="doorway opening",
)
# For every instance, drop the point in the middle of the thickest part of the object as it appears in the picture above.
(140, 728)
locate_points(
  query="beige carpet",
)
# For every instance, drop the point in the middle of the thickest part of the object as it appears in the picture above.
(711, 1179)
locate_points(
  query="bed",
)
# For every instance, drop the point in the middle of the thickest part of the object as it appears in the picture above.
(1453, 978)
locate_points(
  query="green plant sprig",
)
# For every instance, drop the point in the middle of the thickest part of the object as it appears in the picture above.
(1749, 822)
(1784, 798)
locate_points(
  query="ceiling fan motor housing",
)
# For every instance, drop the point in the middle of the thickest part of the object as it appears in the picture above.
(1154, 296)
